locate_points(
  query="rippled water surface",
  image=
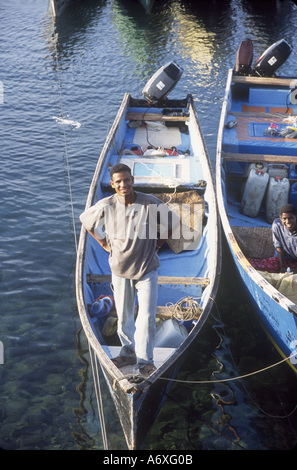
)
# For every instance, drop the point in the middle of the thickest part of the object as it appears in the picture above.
(78, 68)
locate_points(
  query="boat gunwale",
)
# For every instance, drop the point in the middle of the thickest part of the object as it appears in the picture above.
(273, 293)
(120, 387)
(212, 287)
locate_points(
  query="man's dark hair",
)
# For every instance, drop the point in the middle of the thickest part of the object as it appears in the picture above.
(118, 168)
(288, 208)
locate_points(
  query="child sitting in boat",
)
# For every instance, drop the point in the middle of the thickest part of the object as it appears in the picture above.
(284, 234)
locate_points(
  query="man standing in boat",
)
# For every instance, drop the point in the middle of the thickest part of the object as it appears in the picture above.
(129, 220)
(284, 233)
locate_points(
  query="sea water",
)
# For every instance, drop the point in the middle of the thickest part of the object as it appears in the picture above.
(62, 82)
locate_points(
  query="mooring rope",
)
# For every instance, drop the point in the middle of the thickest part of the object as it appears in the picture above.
(99, 397)
(95, 375)
(230, 379)
(66, 151)
(287, 415)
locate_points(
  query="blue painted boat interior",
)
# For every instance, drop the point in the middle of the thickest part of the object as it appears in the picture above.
(192, 263)
(254, 109)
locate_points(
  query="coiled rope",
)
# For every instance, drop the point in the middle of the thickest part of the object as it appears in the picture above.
(185, 309)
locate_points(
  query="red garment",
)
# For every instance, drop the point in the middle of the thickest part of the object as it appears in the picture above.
(271, 265)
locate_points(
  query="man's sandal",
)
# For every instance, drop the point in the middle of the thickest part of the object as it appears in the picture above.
(122, 361)
(147, 370)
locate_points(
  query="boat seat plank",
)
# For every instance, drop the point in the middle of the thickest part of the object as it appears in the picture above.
(264, 115)
(166, 312)
(154, 117)
(183, 280)
(258, 158)
(105, 278)
(262, 80)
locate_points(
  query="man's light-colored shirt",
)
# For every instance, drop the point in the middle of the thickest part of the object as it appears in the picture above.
(131, 231)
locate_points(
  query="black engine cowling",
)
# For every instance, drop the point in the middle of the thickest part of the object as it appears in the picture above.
(162, 82)
(272, 59)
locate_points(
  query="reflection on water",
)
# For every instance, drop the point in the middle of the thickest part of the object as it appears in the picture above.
(257, 412)
(77, 68)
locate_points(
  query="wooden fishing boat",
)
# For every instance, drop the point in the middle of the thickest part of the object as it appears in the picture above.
(147, 4)
(56, 7)
(255, 176)
(175, 167)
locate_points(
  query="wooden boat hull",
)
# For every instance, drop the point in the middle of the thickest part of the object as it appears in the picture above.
(56, 7)
(196, 270)
(247, 102)
(143, 404)
(147, 4)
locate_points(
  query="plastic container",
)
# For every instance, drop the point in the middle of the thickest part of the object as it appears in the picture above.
(278, 170)
(277, 195)
(170, 334)
(293, 194)
(252, 166)
(293, 172)
(255, 166)
(254, 191)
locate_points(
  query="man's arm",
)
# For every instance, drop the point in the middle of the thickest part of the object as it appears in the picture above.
(276, 238)
(91, 219)
(101, 241)
(168, 222)
(161, 241)
(281, 256)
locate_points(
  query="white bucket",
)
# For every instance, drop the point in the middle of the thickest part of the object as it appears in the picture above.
(253, 194)
(277, 196)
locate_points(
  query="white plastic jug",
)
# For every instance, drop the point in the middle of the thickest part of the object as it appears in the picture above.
(255, 166)
(277, 195)
(254, 191)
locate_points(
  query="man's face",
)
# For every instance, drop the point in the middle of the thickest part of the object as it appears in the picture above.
(122, 182)
(289, 220)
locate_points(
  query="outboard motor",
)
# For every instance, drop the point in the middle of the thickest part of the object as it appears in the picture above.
(272, 59)
(162, 82)
(244, 57)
